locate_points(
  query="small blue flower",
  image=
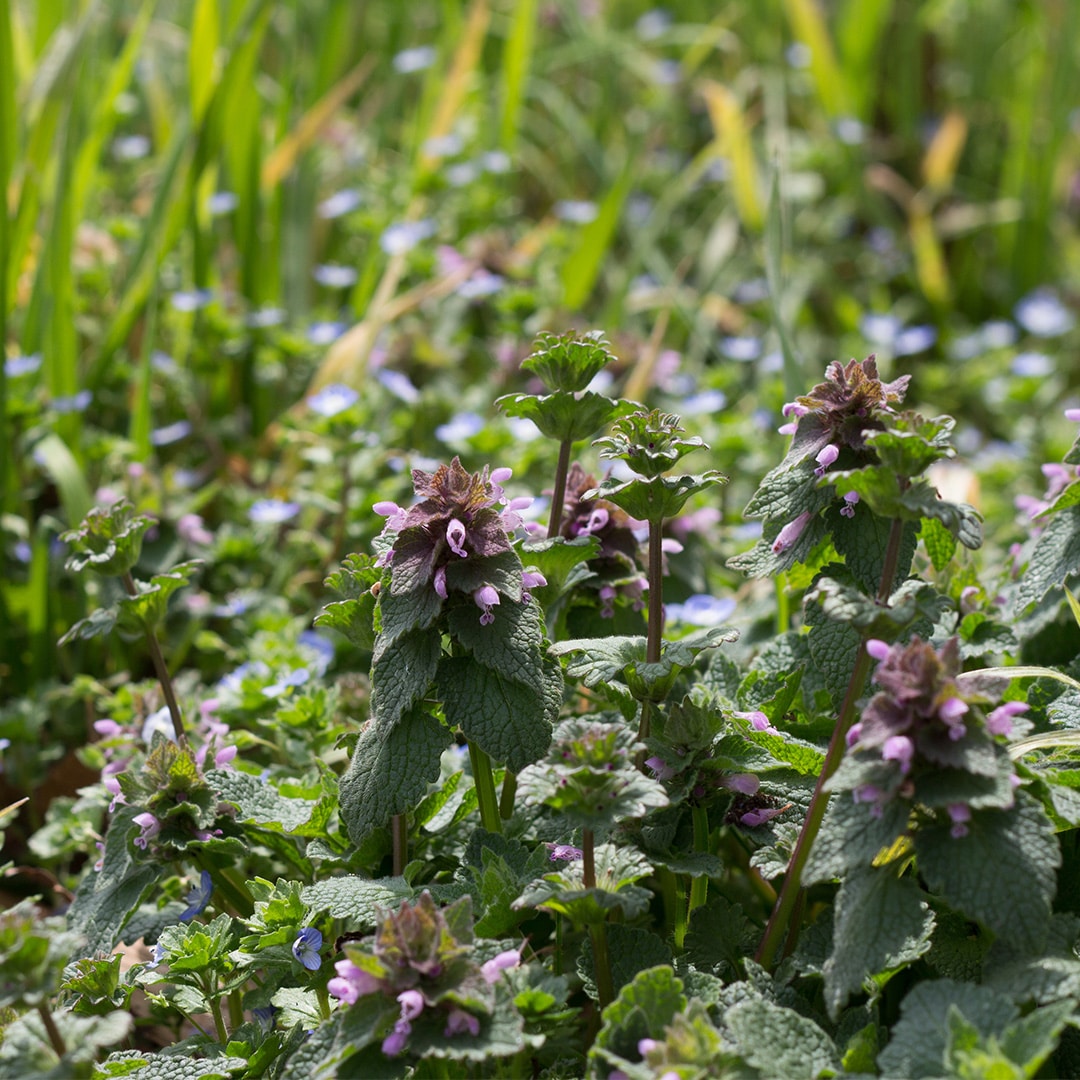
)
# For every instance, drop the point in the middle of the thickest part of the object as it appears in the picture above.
(306, 948)
(333, 399)
(1041, 313)
(415, 59)
(130, 147)
(334, 276)
(22, 365)
(325, 333)
(222, 202)
(79, 402)
(576, 211)
(399, 384)
(198, 897)
(742, 349)
(403, 236)
(340, 203)
(191, 299)
(272, 511)
(265, 317)
(164, 436)
(914, 339)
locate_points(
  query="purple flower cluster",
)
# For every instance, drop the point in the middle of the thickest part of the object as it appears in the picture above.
(922, 721)
(417, 962)
(459, 515)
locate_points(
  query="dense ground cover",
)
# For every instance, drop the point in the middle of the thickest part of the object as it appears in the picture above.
(382, 695)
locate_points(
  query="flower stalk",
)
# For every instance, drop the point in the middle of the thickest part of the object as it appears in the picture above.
(786, 903)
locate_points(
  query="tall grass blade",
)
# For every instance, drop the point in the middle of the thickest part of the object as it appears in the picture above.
(203, 56)
(808, 26)
(282, 159)
(582, 267)
(729, 124)
(516, 62)
(8, 151)
(860, 31)
(774, 261)
(59, 463)
(103, 119)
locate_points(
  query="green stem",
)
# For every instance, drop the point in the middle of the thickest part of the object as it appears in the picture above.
(656, 592)
(508, 795)
(588, 859)
(485, 789)
(699, 886)
(399, 835)
(234, 890)
(324, 1002)
(558, 494)
(789, 893)
(557, 955)
(605, 988)
(219, 1020)
(783, 605)
(160, 669)
(669, 892)
(236, 1009)
(56, 1040)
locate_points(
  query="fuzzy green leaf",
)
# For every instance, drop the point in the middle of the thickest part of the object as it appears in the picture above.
(1001, 873)
(939, 542)
(919, 1039)
(1053, 562)
(356, 900)
(657, 497)
(105, 901)
(259, 801)
(401, 673)
(882, 922)
(401, 612)
(505, 718)
(780, 1042)
(641, 1011)
(137, 614)
(510, 646)
(863, 541)
(390, 770)
(720, 936)
(631, 949)
(851, 837)
(565, 416)
(353, 618)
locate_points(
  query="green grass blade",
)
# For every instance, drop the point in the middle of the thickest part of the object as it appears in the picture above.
(103, 120)
(583, 265)
(774, 255)
(59, 462)
(860, 29)
(808, 25)
(202, 55)
(142, 412)
(8, 151)
(517, 59)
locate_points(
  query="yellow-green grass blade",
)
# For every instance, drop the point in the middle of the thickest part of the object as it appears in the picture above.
(860, 30)
(516, 62)
(582, 267)
(103, 119)
(203, 45)
(59, 463)
(8, 151)
(809, 26)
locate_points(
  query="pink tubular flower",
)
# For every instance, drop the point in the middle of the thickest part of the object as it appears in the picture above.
(1000, 721)
(758, 721)
(853, 735)
(394, 514)
(150, 827)
(485, 598)
(492, 970)
(826, 456)
(190, 528)
(877, 648)
(901, 749)
(459, 1022)
(395, 1042)
(753, 818)
(351, 983)
(455, 537)
(112, 786)
(791, 532)
(560, 852)
(412, 1004)
(743, 783)
(440, 581)
(1073, 415)
(960, 814)
(531, 579)
(660, 768)
(850, 501)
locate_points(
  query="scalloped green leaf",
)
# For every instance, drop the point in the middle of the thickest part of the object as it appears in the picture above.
(1002, 873)
(356, 900)
(505, 718)
(881, 922)
(401, 672)
(390, 770)
(780, 1042)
